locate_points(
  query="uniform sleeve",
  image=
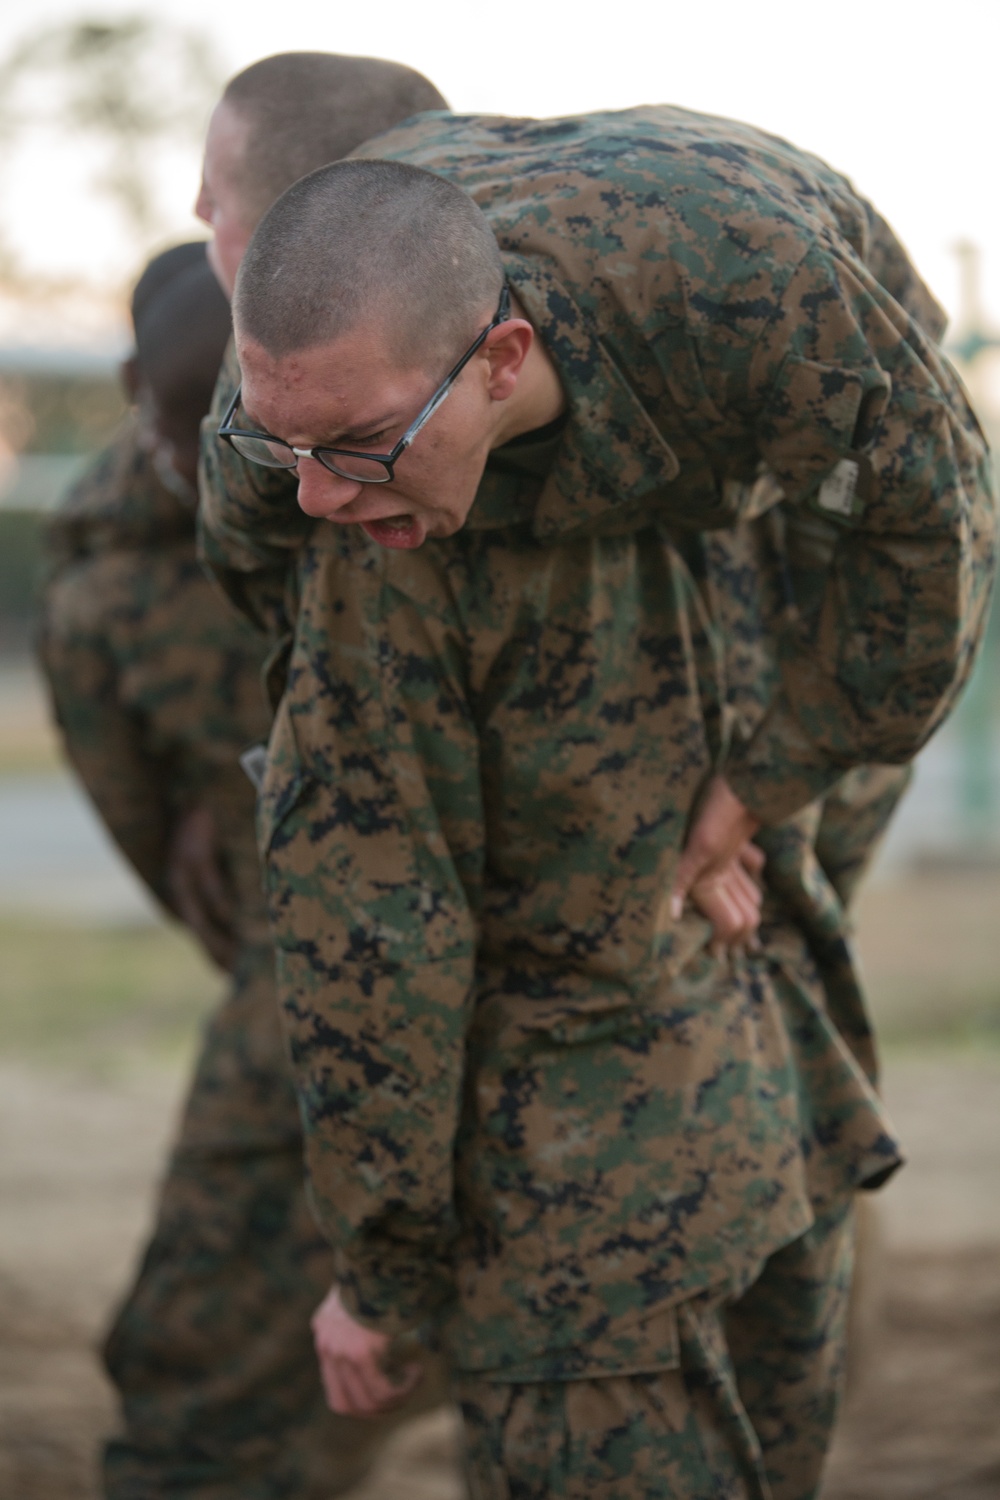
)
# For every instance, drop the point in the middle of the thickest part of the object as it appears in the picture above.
(375, 848)
(855, 820)
(103, 740)
(863, 421)
(251, 529)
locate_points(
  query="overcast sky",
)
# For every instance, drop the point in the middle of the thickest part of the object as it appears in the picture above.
(901, 96)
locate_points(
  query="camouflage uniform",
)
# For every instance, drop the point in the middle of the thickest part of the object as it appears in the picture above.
(534, 1106)
(156, 688)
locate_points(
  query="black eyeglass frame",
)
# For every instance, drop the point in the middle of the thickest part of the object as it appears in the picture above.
(227, 432)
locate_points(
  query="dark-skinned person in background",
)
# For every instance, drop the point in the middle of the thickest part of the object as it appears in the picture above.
(639, 515)
(156, 685)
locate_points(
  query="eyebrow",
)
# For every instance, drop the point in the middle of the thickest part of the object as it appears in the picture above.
(360, 429)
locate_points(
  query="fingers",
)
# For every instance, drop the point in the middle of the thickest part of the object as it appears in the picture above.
(220, 944)
(752, 858)
(360, 1388)
(721, 827)
(213, 892)
(354, 1398)
(747, 898)
(350, 1360)
(689, 869)
(198, 887)
(731, 900)
(733, 920)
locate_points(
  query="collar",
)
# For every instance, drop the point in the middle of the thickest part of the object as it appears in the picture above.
(612, 455)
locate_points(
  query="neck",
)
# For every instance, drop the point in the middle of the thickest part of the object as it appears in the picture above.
(539, 397)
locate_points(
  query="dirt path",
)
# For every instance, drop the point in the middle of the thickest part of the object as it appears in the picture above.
(78, 1161)
(78, 1166)
(923, 1422)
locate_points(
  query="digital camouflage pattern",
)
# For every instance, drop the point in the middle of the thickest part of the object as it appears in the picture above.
(535, 1107)
(521, 1082)
(211, 1351)
(786, 1341)
(156, 687)
(746, 1413)
(710, 298)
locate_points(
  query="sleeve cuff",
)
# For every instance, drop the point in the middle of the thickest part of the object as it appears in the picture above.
(777, 771)
(394, 1305)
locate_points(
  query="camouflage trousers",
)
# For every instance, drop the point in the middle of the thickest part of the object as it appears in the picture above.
(211, 1352)
(747, 1414)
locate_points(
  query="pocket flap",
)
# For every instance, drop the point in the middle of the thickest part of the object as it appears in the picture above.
(816, 416)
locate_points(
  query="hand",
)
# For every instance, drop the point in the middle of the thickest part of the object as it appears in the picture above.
(718, 861)
(200, 894)
(351, 1363)
(731, 900)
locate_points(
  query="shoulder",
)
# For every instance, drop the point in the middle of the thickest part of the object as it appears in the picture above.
(651, 158)
(118, 502)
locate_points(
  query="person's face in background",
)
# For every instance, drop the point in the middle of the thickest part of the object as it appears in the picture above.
(169, 427)
(218, 203)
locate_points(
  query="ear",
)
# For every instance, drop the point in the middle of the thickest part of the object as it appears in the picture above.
(507, 348)
(129, 372)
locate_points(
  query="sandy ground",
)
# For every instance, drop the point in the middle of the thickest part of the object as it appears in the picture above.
(78, 1163)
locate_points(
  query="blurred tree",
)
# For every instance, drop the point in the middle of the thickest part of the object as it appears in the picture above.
(132, 89)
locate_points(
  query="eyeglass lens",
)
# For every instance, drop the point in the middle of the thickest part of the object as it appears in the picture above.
(267, 451)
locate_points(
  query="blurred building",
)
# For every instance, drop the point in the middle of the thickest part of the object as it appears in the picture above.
(57, 408)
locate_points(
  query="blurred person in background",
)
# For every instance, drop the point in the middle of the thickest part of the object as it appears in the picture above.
(156, 687)
(276, 121)
(411, 753)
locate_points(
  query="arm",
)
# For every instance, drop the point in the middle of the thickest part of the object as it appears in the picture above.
(136, 787)
(856, 816)
(869, 676)
(102, 738)
(376, 840)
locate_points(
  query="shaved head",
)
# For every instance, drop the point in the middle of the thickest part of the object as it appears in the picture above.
(370, 243)
(303, 109)
(182, 325)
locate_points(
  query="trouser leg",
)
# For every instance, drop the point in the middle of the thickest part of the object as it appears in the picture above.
(677, 1434)
(747, 1415)
(787, 1336)
(212, 1352)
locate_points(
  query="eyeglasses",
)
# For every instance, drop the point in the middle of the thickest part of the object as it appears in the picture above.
(365, 468)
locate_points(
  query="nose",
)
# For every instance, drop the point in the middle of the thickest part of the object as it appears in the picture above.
(203, 205)
(322, 494)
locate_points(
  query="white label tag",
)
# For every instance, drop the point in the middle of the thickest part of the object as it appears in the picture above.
(254, 764)
(837, 491)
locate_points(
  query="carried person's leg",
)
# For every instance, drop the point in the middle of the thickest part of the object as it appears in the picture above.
(212, 1352)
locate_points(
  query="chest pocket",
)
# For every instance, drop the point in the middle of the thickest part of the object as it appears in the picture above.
(820, 423)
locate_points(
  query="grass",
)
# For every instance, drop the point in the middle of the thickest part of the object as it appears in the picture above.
(101, 998)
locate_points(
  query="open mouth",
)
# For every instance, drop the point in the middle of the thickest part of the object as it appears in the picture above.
(396, 531)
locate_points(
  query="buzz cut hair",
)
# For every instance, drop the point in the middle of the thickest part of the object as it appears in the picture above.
(376, 244)
(304, 109)
(182, 326)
